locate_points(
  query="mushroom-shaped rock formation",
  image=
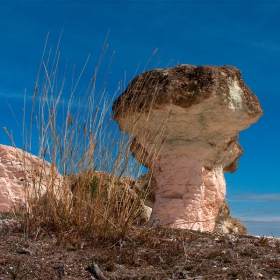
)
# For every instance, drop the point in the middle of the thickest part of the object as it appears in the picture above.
(185, 122)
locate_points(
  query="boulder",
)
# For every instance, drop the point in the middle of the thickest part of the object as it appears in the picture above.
(23, 176)
(184, 122)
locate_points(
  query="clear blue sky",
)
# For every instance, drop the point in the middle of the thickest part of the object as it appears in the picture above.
(245, 34)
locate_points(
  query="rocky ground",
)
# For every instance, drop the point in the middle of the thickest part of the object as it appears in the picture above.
(141, 254)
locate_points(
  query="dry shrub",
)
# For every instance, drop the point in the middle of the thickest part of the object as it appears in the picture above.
(117, 198)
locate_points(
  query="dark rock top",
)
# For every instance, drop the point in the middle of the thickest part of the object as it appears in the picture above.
(184, 86)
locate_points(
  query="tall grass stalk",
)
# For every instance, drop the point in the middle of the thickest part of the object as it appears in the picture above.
(73, 129)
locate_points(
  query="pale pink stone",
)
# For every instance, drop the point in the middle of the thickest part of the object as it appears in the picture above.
(190, 202)
(22, 174)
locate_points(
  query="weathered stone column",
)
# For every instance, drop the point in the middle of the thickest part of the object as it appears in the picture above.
(187, 194)
(185, 123)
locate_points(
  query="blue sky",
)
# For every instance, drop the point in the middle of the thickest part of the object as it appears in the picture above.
(244, 34)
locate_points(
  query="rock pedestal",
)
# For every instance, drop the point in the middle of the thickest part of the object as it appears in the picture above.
(186, 189)
(185, 123)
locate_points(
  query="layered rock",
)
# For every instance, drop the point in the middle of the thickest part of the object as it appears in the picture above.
(185, 122)
(23, 176)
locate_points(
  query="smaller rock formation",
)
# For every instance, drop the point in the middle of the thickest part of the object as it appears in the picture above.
(227, 224)
(23, 175)
(184, 122)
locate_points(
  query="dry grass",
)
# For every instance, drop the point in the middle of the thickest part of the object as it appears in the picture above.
(76, 134)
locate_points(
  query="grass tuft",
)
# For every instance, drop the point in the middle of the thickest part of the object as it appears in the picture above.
(84, 183)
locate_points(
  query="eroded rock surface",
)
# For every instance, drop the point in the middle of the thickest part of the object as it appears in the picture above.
(21, 175)
(227, 224)
(224, 223)
(185, 123)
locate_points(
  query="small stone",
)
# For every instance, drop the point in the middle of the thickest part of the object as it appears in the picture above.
(224, 268)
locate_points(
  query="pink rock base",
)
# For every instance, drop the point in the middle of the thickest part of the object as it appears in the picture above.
(23, 175)
(187, 195)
